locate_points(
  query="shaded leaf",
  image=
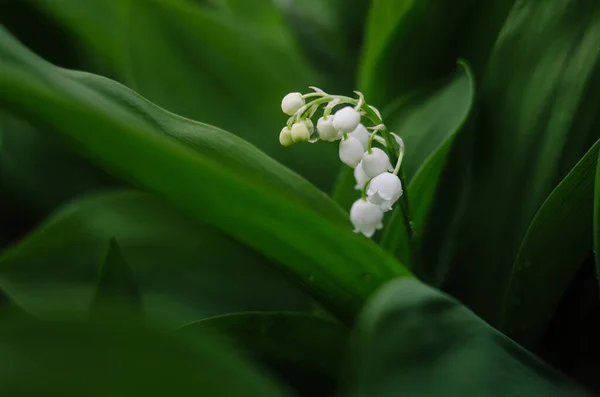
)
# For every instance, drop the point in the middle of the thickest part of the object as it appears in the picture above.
(116, 284)
(414, 340)
(296, 338)
(554, 248)
(118, 358)
(183, 270)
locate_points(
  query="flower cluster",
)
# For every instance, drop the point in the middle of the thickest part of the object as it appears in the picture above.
(375, 176)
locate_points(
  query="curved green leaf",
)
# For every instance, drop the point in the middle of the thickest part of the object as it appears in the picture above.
(428, 127)
(182, 269)
(414, 340)
(556, 244)
(216, 178)
(74, 358)
(228, 67)
(537, 118)
(298, 338)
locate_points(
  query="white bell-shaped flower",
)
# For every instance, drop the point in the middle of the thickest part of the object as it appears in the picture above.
(300, 132)
(360, 177)
(375, 163)
(366, 217)
(346, 119)
(291, 103)
(327, 131)
(384, 190)
(362, 134)
(351, 152)
(285, 137)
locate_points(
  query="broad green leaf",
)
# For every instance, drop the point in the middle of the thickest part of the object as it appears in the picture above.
(557, 242)
(183, 270)
(596, 220)
(297, 338)
(40, 173)
(116, 283)
(428, 125)
(416, 341)
(118, 358)
(215, 177)
(227, 68)
(536, 121)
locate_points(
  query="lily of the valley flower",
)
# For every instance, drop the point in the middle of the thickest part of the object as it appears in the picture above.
(360, 177)
(351, 151)
(292, 102)
(300, 132)
(362, 134)
(285, 137)
(384, 190)
(366, 217)
(375, 163)
(346, 119)
(327, 131)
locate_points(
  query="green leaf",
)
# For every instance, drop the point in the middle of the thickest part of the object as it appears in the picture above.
(556, 244)
(215, 177)
(537, 119)
(118, 358)
(416, 341)
(428, 124)
(39, 173)
(116, 286)
(183, 270)
(296, 338)
(229, 68)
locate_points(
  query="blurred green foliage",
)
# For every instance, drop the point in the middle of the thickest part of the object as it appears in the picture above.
(158, 240)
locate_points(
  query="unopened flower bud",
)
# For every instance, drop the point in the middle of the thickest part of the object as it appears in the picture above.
(384, 190)
(351, 151)
(327, 131)
(375, 163)
(346, 119)
(360, 177)
(366, 217)
(309, 125)
(285, 137)
(292, 102)
(300, 132)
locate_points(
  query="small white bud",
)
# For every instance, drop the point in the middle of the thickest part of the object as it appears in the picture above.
(346, 119)
(351, 151)
(327, 131)
(375, 163)
(366, 217)
(362, 134)
(300, 132)
(285, 137)
(360, 177)
(292, 102)
(384, 190)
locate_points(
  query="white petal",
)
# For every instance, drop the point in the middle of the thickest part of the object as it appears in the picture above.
(327, 131)
(300, 132)
(292, 102)
(362, 134)
(376, 162)
(346, 119)
(360, 177)
(351, 152)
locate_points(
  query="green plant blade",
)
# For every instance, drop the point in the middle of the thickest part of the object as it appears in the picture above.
(228, 67)
(118, 358)
(116, 285)
(182, 269)
(414, 340)
(534, 124)
(557, 242)
(428, 127)
(220, 180)
(296, 338)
